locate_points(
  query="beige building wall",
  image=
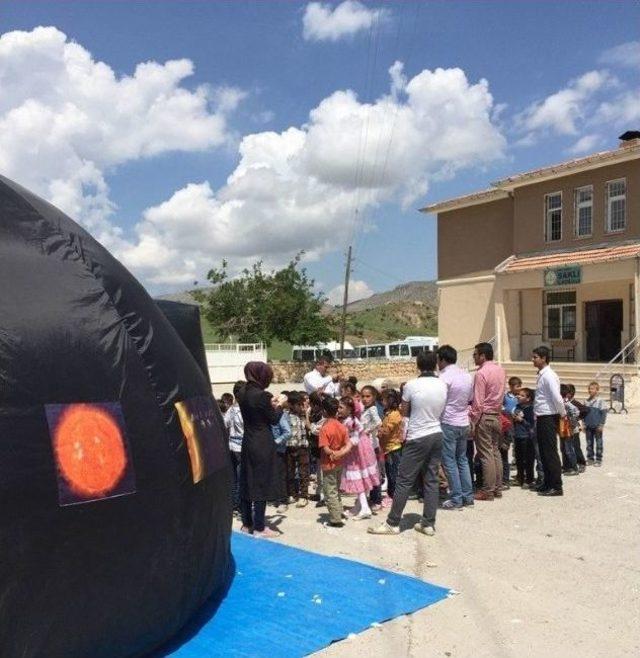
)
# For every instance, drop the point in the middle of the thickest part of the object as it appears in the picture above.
(466, 312)
(474, 239)
(529, 213)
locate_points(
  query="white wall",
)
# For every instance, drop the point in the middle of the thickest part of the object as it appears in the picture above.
(226, 362)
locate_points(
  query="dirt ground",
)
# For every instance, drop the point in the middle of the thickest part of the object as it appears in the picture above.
(557, 577)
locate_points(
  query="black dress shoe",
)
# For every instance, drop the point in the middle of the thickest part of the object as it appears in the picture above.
(550, 492)
(539, 488)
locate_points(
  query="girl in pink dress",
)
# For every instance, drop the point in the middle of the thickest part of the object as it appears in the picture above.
(360, 473)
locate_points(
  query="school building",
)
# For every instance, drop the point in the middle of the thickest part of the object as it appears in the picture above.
(550, 256)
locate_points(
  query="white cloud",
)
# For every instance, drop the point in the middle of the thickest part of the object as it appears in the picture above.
(560, 112)
(357, 290)
(296, 189)
(622, 111)
(66, 120)
(625, 55)
(585, 144)
(322, 22)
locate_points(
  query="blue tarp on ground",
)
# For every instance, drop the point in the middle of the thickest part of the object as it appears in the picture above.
(286, 602)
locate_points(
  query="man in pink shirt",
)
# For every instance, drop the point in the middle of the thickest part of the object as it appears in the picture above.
(488, 393)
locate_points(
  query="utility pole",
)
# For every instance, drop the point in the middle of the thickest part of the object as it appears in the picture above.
(344, 303)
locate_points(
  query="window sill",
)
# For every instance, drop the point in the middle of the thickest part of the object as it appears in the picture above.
(616, 232)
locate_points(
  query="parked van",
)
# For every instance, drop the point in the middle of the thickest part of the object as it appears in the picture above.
(405, 349)
(314, 352)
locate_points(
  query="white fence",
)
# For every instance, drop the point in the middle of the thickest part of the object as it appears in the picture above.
(226, 361)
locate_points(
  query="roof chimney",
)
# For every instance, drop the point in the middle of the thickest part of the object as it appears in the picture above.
(629, 138)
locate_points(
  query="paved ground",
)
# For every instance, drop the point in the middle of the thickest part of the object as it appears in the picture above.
(557, 577)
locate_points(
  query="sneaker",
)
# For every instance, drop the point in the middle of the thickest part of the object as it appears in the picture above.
(333, 524)
(302, 502)
(281, 509)
(361, 516)
(384, 529)
(582, 468)
(321, 503)
(598, 463)
(498, 494)
(291, 500)
(468, 503)
(572, 472)
(449, 504)
(591, 462)
(428, 530)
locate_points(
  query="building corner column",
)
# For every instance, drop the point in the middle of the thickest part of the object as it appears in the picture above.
(502, 351)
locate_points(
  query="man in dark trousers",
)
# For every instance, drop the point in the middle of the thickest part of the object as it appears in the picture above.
(548, 408)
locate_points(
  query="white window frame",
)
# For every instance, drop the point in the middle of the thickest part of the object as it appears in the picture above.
(582, 204)
(608, 199)
(563, 326)
(547, 211)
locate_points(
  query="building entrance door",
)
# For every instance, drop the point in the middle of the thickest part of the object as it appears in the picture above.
(603, 322)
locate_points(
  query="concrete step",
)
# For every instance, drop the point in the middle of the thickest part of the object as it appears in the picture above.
(580, 375)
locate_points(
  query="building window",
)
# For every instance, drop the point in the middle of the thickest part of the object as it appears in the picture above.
(553, 217)
(561, 315)
(616, 208)
(584, 211)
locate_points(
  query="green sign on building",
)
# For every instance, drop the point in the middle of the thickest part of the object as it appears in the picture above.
(563, 276)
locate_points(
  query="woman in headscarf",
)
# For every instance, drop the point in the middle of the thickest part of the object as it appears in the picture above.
(258, 460)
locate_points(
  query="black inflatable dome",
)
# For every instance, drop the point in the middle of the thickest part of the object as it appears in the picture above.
(115, 510)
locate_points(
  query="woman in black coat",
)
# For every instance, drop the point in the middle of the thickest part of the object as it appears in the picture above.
(258, 459)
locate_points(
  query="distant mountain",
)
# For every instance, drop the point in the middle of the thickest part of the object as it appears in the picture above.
(410, 309)
(414, 291)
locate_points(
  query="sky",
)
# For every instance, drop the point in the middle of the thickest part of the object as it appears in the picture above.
(184, 133)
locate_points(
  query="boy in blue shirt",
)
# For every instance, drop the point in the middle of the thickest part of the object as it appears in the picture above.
(509, 403)
(524, 437)
(594, 424)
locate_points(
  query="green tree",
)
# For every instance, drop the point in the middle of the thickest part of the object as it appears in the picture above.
(259, 306)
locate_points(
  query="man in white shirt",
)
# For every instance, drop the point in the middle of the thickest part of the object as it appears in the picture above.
(317, 380)
(423, 401)
(548, 407)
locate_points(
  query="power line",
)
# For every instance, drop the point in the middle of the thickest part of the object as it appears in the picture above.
(360, 239)
(379, 271)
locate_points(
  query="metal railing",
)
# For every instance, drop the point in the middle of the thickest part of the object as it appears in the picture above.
(627, 355)
(234, 347)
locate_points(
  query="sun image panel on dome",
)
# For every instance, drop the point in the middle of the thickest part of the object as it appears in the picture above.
(203, 435)
(91, 451)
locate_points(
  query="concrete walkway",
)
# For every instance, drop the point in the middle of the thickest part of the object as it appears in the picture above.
(557, 577)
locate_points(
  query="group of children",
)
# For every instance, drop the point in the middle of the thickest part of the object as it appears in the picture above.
(353, 444)
(350, 444)
(519, 430)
